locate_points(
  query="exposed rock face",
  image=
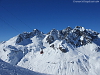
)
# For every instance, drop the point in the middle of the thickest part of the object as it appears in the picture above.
(77, 37)
(27, 35)
(50, 39)
(65, 32)
(63, 49)
(80, 36)
(52, 36)
(19, 39)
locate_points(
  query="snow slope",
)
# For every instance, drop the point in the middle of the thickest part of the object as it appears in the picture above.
(79, 61)
(8, 69)
(59, 52)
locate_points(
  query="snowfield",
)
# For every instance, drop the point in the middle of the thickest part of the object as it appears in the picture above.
(59, 52)
(8, 69)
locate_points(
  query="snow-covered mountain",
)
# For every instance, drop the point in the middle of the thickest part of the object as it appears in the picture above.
(59, 52)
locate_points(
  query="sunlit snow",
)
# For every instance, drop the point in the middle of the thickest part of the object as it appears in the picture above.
(64, 52)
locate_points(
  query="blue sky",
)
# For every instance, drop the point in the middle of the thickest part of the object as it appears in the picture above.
(17, 16)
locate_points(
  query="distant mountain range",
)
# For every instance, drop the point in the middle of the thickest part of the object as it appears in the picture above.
(59, 52)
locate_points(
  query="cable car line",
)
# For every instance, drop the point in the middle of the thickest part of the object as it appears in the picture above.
(9, 25)
(15, 17)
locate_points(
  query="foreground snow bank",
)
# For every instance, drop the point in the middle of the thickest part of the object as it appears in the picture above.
(8, 69)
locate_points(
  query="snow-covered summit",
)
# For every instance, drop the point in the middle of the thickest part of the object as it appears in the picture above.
(80, 36)
(71, 51)
(27, 35)
(77, 37)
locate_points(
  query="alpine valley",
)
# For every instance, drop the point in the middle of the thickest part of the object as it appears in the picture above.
(71, 51)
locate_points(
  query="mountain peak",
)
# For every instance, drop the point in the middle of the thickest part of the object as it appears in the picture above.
(36, 31)
(78, 36)
(71, 51)
(28, 35)
(79, 28)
